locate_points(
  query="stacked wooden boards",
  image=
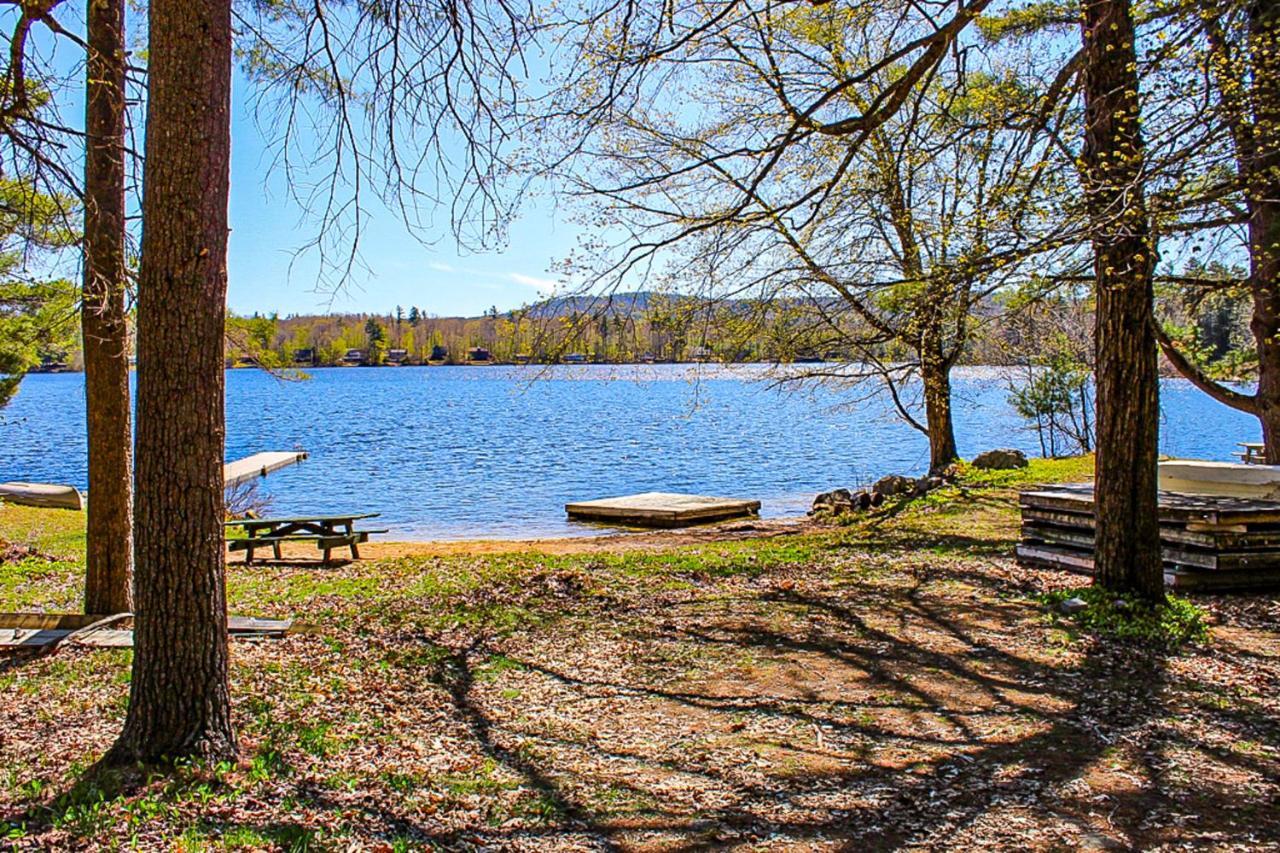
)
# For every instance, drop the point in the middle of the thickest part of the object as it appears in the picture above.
(1208, 542)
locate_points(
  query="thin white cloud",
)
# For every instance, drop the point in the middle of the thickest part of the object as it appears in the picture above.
(532, 281)
(436, 265)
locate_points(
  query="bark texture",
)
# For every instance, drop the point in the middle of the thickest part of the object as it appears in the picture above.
(104, 326)
(1127, 551)
(1248, 87)
(1260, 171)
(179, 701)
(935, 374)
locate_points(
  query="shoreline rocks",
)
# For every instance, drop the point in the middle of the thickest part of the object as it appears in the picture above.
(843, 501)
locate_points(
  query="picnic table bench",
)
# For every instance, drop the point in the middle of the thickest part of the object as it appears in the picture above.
(1254, 453)
(327, 531)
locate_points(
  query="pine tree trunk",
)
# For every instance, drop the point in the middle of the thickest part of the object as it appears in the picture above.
(1127, 550)
(179, 701)
(936, 377)
(1261, 173)
(104, 325)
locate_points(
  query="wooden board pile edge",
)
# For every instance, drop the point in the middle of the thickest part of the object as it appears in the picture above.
(1207, 542)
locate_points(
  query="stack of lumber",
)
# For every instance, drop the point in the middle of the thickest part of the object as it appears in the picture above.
(1210, 542)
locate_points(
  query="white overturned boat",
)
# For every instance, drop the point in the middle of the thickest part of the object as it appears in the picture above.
(42, 494)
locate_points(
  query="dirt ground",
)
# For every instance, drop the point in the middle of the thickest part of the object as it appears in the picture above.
(610, 543)
(894, 684)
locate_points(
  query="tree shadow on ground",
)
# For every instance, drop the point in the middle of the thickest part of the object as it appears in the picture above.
(955, 734)
(926, 703)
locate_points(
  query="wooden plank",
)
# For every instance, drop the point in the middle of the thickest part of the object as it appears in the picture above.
(1171, 536)
(68, 622)
(248, 624)
(253, 523)
(1058, 558)
(1062, 519)
(31, 638)
(259, 465)
(56, 621)
(106, 638)
(1191, 579)
(662, 509)
(1083, 542)
(1200, 509)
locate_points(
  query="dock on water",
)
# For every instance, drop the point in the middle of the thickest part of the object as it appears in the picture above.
(259, 465)
(661, 509)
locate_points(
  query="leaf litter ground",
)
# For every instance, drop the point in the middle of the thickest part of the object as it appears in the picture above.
(888, 684)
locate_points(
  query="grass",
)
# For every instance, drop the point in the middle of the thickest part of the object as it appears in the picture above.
(59, 533)
(835, 687)
(1169, 623)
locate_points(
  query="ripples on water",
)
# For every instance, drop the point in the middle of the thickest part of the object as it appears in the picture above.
(463, 452)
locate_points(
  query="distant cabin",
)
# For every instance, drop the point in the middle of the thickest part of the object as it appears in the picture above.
(355, 357)
(478, 354)
(397, 356)
(439, 354)
(700, 354)
(575, 358)
(50, 364)
(305, 356)
(523, 358)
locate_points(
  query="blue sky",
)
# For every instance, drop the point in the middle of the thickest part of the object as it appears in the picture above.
(266, 274)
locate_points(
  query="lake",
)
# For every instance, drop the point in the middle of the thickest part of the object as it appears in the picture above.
(476, 452)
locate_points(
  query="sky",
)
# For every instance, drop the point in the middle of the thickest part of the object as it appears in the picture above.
(266, 274)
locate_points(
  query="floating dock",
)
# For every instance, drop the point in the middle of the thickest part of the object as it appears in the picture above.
(1210, 542)
(259, 465)
(661, 509)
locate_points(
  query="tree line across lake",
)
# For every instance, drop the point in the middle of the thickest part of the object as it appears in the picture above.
(633, 328)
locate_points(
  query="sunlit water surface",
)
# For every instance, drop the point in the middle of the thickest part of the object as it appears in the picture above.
(470, 452)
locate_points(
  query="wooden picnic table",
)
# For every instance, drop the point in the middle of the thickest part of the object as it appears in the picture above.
(1254, 452)
(327, 531)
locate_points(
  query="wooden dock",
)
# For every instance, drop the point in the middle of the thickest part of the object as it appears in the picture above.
(259, 465)
(662, 509)
(1207, 541)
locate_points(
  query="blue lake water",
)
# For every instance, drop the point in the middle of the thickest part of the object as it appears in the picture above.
(472, 452)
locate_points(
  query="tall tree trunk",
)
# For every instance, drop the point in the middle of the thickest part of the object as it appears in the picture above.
(935, 374)
(1248, 87)
(1127, 552)
(179, 701)
(1261, 173)
(108, 584)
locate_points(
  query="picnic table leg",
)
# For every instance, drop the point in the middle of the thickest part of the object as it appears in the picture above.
(248, 554)
(275, 548)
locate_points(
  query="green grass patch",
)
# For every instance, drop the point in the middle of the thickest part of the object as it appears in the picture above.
(1066, 470)
(1168, 624)
(58, 532)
